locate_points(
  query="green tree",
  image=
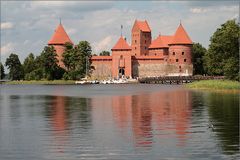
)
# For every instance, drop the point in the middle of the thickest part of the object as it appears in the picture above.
(198, 53)
(77, 60)
(15, 67)
(68, 56)
(105, 53)
(85, 51)
(48, 59)
(222, 57)
(29, 65)
(2, 73)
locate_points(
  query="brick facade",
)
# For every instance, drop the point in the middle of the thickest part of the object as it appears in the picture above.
(164, 56)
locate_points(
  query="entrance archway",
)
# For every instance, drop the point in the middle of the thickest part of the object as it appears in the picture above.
(121, 72)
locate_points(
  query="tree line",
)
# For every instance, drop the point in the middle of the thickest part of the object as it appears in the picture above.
(222, 56)
(220, 59)
(45, 66)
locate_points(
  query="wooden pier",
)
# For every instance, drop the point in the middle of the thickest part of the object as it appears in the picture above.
(176, 79)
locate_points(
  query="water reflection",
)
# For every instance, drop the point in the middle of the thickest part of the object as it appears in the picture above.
(171, 123)
(160, 112)
(224, 114)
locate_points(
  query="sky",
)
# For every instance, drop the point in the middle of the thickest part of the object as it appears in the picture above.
(27, 26)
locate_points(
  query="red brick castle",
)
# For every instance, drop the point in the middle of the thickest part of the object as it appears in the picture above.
(163, 56)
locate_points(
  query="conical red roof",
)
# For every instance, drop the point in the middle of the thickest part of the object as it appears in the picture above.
(60, 36)
(121, 45)
(181, 36)
(159, 43)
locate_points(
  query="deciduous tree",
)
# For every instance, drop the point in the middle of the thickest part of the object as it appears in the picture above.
(49, 61)
(198, 53)
(222, 57)
(2, 73)
(15, 67)
(105, 53)
(77, 60)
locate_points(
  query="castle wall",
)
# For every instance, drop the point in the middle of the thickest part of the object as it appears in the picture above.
(101, 67)
(150, 67)
(158, 52)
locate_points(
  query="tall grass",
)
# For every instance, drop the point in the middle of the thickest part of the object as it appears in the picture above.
(215, 84)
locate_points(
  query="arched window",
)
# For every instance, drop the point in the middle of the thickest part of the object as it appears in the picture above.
(173, 53)
(185, 60)
(182, 53)
(176, 60)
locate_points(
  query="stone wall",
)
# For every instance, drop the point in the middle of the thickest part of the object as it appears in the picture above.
(101, 68)
(159, 68)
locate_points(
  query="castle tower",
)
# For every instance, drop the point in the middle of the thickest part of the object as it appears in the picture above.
(180, 51)
(121, 59)
(141, 38)
(58, 40)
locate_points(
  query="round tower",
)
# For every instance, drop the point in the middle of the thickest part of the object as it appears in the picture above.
(180, 52)
(58, 41)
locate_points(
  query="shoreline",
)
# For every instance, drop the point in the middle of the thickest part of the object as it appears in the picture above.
(40, 82)
(204, 85)
(215, 85)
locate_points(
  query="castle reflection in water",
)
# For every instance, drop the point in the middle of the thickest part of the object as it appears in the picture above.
(144, 119)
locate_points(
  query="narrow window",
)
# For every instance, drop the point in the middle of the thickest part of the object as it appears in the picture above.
(173, 53)
(155, 54)
(135, 41)
(185, 60)
(176, 60)
(145, 41)
(145, 48)
(135, 48)
(182, 53)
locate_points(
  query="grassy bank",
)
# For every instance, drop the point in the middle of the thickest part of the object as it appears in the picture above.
(41, 82)
(215, 84)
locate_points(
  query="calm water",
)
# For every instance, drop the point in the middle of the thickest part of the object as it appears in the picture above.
(39, 122)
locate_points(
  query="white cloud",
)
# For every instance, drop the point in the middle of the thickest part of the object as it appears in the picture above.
(6, 25)
(38, 4)
(6, 49)
(26, 42)
(71, 31)
(104, 44)
(198, 10)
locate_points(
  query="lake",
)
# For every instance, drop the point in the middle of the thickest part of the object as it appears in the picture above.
(123, 121)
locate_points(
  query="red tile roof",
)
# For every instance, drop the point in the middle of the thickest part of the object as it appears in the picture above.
(167, 39)
(181, 36)
(161, 42)
(60, 36)
(143, 26)
(121, 45)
